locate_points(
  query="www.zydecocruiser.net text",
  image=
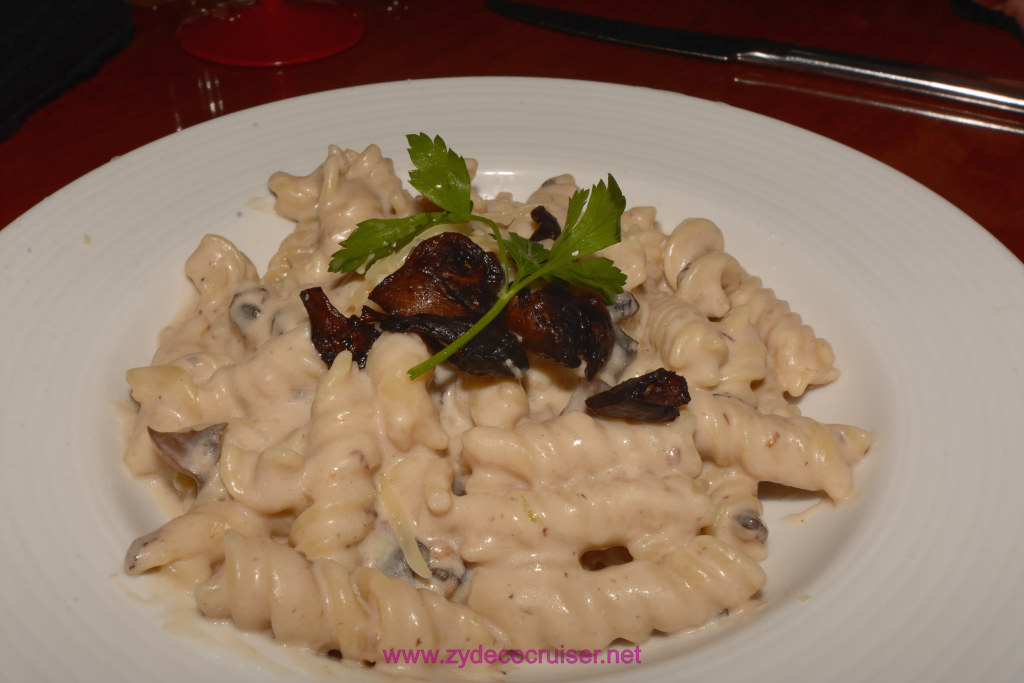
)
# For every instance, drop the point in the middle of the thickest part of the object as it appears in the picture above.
(481, 655)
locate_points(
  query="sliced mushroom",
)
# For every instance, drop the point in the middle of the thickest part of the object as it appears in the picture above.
(333, 332)
(247, 307)
(749, 526)
(654, 397)
(624, 305)
(193, 452)
(447, 570)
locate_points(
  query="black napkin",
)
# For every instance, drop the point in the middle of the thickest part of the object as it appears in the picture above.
(968, 9)
(46, 46)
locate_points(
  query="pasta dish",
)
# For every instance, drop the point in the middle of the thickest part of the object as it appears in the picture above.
(531, 496)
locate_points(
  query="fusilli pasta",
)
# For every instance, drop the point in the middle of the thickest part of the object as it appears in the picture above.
(352, 509)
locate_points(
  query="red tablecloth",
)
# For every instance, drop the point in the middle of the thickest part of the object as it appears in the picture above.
(153, 87)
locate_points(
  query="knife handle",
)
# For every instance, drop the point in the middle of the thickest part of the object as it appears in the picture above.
(911, 78)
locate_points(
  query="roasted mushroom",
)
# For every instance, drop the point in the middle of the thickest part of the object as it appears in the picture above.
(446, 275)
(446, 283)
(333, 332)
(563, 326)
(547, 225)
(653, 397)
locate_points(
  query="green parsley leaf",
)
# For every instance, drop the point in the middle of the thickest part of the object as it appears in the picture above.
(598, 274)
(577, 202)
(441, 175)
(599, 226)
(529, 256)
(376, 238)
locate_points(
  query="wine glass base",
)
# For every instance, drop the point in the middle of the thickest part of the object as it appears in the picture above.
(271, 33)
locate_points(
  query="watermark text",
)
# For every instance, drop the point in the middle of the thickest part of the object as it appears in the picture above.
(481, 655)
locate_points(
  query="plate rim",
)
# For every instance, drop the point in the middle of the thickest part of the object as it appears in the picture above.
(986, 242)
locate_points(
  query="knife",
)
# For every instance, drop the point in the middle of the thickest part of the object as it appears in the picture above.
(1002, 94)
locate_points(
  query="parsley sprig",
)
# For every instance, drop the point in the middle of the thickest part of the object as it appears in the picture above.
(442, 177)
(593, 223)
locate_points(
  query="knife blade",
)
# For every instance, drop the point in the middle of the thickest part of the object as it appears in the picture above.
(960, 86)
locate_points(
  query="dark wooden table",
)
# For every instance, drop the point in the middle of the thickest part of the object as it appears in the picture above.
(968, 155)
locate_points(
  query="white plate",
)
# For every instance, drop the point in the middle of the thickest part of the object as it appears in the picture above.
(919, 580)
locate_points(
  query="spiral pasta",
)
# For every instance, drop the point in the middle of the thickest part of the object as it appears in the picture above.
(265, 585)
(344, 507)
